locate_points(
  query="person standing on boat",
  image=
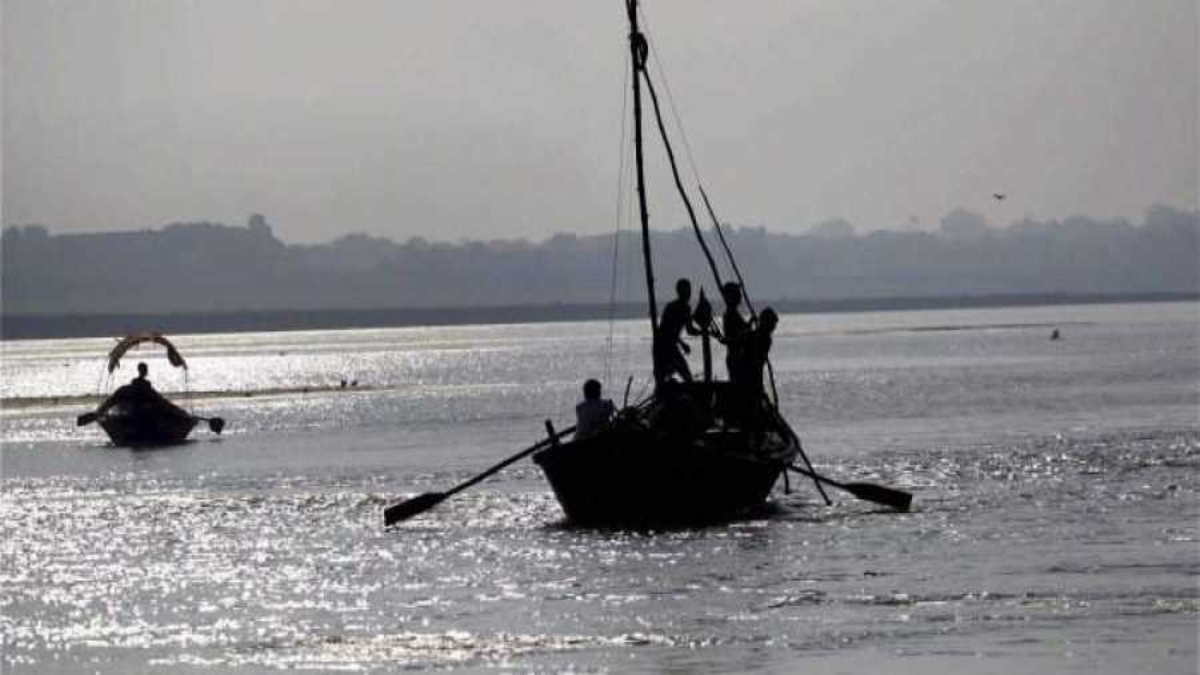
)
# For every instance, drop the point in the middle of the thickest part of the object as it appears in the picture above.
(734, 329)
(755, 350)
(676, 318)
(593, 414)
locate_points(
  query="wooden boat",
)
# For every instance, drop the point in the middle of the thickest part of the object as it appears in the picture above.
(151, 424)
(138, 416)
(694, 452)
(671, 461)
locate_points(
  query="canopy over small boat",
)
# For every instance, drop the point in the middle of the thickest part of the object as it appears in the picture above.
(133, 339)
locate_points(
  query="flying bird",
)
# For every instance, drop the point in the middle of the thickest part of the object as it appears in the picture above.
(999, 196)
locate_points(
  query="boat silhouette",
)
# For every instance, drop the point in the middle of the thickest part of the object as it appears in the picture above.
(136, 415)
(693, 452)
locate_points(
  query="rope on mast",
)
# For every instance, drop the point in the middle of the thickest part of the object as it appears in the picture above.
(741, 282)
(620, 218)
(662, 130)
(728, 252)
(662, 76)
(640, 41)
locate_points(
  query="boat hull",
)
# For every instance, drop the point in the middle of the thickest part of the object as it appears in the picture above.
(632, 478)
(146, 426)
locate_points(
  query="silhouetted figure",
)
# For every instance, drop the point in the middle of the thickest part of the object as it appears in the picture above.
(756, 348)
(734, 328)
(138, 392)
(1055, 335)
(141, 383)
(746, 407)
(676, 318)
(593, 414)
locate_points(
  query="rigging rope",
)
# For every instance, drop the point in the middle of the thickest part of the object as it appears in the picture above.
(662, 75)
(662, 130)
(620, 215)
(728, 252)
(700, 186)
(745, 293)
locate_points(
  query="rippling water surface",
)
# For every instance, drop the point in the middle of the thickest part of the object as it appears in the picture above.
(1055, 523)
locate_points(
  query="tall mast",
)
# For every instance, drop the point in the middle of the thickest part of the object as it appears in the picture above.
(638, 51)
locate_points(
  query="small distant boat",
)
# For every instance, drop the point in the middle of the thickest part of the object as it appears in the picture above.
(138, 416)
(148, 425)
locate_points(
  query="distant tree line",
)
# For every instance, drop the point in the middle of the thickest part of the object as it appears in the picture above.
(207, 267)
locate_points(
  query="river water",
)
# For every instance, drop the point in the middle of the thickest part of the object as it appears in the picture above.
(1055, 524)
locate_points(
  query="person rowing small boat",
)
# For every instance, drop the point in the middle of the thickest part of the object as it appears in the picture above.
(136, 414)
(139, 393)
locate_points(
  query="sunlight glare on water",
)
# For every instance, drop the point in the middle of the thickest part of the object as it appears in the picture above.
(1054, 529)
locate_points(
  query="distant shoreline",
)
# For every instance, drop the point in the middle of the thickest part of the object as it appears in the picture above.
(49, 326)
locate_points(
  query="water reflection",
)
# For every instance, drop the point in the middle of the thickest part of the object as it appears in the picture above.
(1055, 508)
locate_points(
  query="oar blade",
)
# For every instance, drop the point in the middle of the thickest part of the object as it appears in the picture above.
(216, 425)
(411, 507)
(897, 499)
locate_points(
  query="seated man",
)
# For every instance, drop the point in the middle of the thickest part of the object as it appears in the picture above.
(139, 392)
(593, 414)
(141, 384)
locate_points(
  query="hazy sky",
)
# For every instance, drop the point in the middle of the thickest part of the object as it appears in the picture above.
(487, 119)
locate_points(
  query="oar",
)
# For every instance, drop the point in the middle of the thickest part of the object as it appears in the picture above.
(897, 499)
(423, 502)
(799, 446)
(215, 424)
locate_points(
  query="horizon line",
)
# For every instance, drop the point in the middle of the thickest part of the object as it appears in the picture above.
(76, 325)
(858, 231)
